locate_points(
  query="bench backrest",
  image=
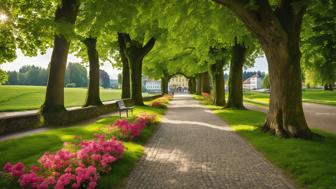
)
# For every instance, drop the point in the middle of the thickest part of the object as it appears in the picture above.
(121, 104)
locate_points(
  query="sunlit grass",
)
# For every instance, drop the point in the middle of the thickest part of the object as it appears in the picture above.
(313, 96)
(17, 97)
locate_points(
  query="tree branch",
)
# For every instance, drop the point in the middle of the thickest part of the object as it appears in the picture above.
(259, 19)
(149, 45)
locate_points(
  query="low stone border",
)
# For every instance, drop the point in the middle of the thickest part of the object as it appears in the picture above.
(12, 124)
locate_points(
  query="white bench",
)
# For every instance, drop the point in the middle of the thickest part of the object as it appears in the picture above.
(122, 107)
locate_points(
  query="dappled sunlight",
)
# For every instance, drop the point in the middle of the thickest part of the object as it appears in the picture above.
(181, 122)
(67, 137)
(179, 159)
(244, 127)
(185, 106)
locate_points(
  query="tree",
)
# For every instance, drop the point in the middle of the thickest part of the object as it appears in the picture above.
(126, 88)
(238, 56)
(217, 75)
(266, 82)
(104, 79)
(199, 84)
(278, 31)
(3, 77)
(205, 82)
(319, 43)
(120, 79)
(13, 78)
(76, 73)
(65, 16)
(192, 85)
(93, 95)
(135, 52)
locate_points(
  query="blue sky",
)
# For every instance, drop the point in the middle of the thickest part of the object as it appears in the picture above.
(43, 61)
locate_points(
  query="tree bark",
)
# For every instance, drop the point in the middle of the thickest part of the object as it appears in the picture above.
(328, 87)
(279, 34)
(235, 99)
(206, 83)
(135, 53)
(192, 85)
(164, 84)
(54, 99)
(136, 79)
(126, 88)
(199, 84)
(218, 84)
(93, 95)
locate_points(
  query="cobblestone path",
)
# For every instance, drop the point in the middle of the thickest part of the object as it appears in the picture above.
(193, 148)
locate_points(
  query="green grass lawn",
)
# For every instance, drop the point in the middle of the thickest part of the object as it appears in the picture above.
(16, 98)
(314, 96)
(28, 149)
(311, 164)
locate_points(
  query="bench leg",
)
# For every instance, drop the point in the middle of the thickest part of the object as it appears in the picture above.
(127, 113)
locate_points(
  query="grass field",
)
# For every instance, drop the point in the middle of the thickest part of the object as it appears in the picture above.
(314, 96)
(310, 163)
(16, 98)
(28, 149)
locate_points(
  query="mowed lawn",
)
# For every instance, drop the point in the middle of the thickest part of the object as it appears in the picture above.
(15, 98)
(313, 96)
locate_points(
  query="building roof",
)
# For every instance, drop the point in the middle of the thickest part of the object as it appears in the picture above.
(248, 80)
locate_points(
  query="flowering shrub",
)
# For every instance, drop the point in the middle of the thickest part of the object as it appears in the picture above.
(131, 130)
(207, 96)
(157, 104)
(168, 97)
(161, 102)
(148, 118)
(65, 169)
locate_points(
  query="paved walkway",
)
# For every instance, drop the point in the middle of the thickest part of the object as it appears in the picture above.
(317, 115)
(193, 148)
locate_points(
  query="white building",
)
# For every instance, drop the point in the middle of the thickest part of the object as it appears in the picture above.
(252, 83)
(152, 85)
(178, 83)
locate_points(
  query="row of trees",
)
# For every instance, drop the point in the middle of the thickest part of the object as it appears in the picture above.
(195, 38)
(75, 76)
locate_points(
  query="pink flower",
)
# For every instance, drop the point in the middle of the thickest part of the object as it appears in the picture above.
(15, 170)
(34, 168)
(8, 167)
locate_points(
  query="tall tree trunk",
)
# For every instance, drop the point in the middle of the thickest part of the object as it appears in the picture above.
(93, 95)
(136, 79)
(164, 84)
(135, 53)
(285, 117)
(328, 87)
(199, 84)
(278, 30)
(235, 99)
(54, 99)
(126, 88)
(192, 85)
(218, 84)
(206, 83)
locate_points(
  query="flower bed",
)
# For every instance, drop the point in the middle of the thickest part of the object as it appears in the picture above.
(161, 102)
(207, 96)
(78, 164)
